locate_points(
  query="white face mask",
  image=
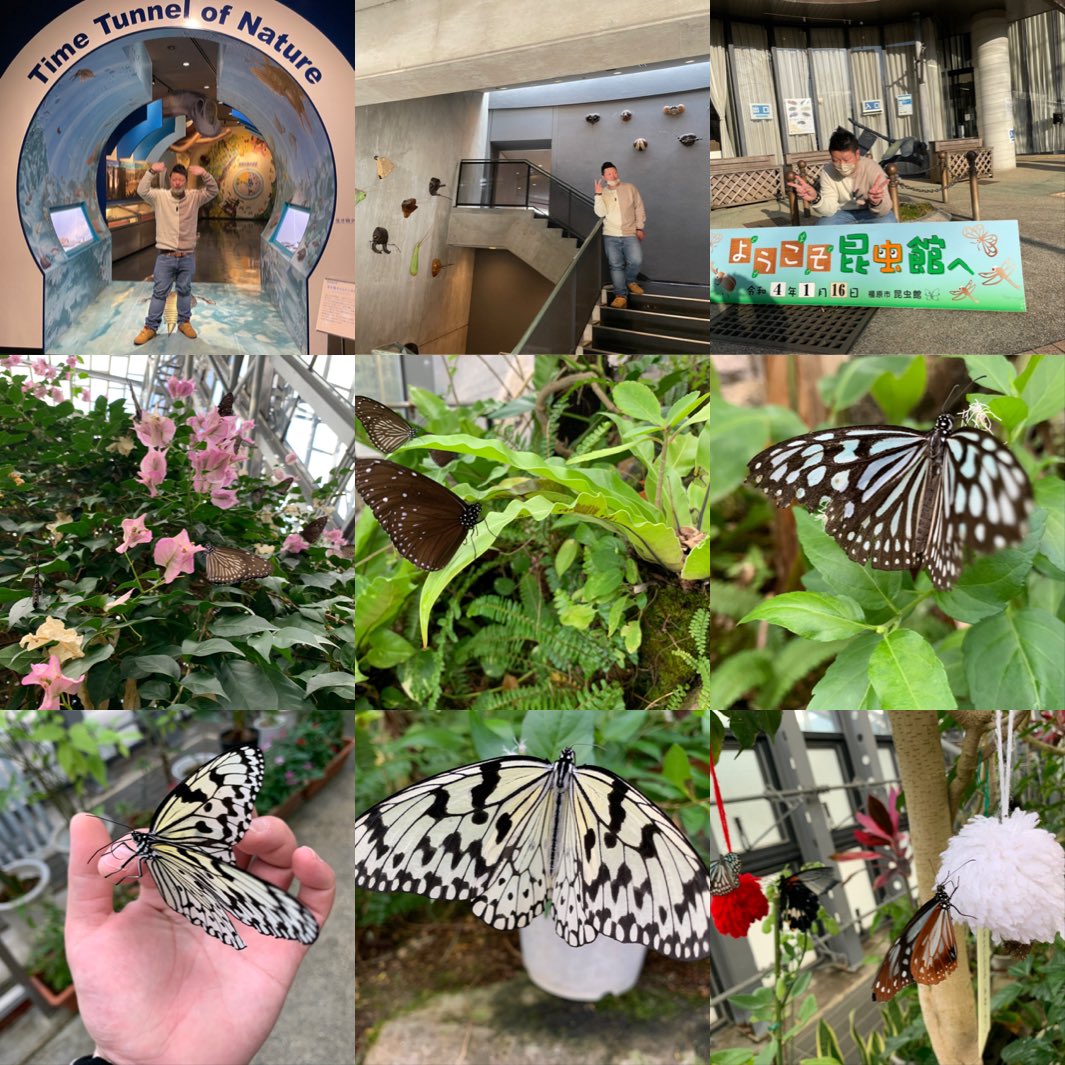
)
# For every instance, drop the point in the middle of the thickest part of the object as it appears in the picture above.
(614, 184)
(846, 169)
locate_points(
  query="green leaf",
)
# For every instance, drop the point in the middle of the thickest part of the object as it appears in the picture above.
(907, 674)
(388, 649)
(857, 377)
(737, 1056)
(811, 614)
(144, 665)
(332, 680)
(632, 636)
(898, 395)
(638, 401)
(1045, 390)
(846, 685)
(676, 767)
(193, 649)
(1050, 493)
(739, 433)
(993, 372)
(753, 1001)
(1013, 661)
(737, 674)
(1009, 410)
(565, 555)
(81, 739)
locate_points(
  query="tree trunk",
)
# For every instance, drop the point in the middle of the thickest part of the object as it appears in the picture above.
(949, 1008)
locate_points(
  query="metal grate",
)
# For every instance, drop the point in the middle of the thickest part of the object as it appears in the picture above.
(824, 330)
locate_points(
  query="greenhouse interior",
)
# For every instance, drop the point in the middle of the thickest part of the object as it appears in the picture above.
(509, 710)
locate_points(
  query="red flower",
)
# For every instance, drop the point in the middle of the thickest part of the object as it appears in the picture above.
(735, 912)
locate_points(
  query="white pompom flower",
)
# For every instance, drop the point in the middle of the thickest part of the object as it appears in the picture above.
(1010, 878)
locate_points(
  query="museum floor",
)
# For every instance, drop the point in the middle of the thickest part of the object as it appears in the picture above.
(227, 252)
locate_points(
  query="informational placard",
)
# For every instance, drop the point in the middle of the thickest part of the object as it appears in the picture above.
(904, 104)
(958, 266)
(336, 308)
(872, 107)
(761, 112)
(800, 116)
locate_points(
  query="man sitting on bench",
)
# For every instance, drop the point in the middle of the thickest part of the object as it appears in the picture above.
(851, 189)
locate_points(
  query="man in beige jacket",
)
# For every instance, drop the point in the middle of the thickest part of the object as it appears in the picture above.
(621, 208)
(176, 215)
(851, 189)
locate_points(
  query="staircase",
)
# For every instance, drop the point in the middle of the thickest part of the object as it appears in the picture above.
(668, 319)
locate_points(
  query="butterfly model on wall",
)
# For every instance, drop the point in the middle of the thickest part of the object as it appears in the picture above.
(514, 833)
(799, 902)
(388, 431)
(189, 850)
(231, 565)
(425, 521)
(901, 498)
(925, 953)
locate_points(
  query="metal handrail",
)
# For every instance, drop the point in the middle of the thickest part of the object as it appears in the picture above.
(547, 173)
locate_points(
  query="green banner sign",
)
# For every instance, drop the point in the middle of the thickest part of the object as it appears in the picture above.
(958, 266)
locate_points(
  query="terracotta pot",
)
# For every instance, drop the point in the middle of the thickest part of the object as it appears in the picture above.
(287, 806)
(65, 999)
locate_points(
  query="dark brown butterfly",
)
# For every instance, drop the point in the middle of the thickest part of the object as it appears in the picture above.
(425, 521)
(38, 587)
(137, 412)
(225, 405)
(312, 531)
(230, 565)
(260, 493)
(925, 953)
(799, 902)
(387, 430)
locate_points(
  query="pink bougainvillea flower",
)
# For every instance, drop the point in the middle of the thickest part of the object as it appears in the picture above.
(11, 361)
(51, 372)
(180, 387)
(155, 430)
(177, 554)
(49, 676)
(153, 470)
(134, 532)
(290, 458)
(336, 542)
(209, 426)
(86, 395)
(72, 361)
(119, 601)
(56, 394)
(294, 544)
(224, 498)
(39, 365)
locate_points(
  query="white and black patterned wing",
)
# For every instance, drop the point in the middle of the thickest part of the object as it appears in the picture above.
(211, 809)
(204, 890)
(231, 565)
(643, 881)
(476, 832)
(724, 874)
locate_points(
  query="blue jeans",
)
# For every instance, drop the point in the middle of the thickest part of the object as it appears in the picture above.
(863, 215)
(625, 255)
(171, 271)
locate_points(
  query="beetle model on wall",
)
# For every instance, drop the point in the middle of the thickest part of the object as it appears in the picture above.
(379, 242)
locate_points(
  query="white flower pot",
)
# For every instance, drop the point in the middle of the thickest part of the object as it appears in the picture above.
(583, 974)
(14, 912)
(271, 729)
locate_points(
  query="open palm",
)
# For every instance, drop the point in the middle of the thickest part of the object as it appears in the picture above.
(154, 989)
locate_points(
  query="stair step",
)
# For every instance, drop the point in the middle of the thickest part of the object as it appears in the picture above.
(686, 305)
(676, 325)
(626, 342)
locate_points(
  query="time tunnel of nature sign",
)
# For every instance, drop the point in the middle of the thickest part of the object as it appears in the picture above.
(974, 266)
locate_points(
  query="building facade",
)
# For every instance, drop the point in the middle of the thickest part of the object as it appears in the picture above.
(781, 82)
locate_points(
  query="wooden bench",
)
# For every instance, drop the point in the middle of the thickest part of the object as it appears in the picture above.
(745, 179)
(957, 165)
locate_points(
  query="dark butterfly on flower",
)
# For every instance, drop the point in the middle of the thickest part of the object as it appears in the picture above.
(230, 565)
(38, 587)
(799, 904)
(901, 498)
(225, 405)
(259, 494)
(189, 850)
(725, 874)
(387, 430)
(924, 953)
(312, 531)
(137, 412)
(424, 520)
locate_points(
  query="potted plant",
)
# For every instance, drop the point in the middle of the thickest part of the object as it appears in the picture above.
(47, 963)
(22, 883)
(272, 725)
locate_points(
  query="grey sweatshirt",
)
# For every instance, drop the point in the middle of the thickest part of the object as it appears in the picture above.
(175, 220)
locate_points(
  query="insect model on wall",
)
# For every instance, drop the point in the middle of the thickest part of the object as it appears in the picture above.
(514, 833)
(189, 850)
(379, 242)
(901, 498)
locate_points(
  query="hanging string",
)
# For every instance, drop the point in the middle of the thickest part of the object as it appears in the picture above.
(720, 808)
(1005, 762)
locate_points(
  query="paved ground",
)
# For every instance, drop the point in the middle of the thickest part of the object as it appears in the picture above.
(1034, 194)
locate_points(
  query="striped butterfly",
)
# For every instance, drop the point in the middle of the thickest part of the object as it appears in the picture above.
(725, 874)
(902, 498)
(388, 431)
(230, 565)
(925, 952)
(515, 832)
(189, 849)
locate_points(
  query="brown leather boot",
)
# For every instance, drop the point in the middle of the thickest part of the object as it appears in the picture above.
(144, 336)
(186, 328)
(619, 301)
(635, 289)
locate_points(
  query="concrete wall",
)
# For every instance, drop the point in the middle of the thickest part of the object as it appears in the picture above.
(673, 179)
(422, 139)
(507, 295)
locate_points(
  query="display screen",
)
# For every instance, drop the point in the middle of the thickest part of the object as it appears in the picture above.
(72, 227)
(291, 228)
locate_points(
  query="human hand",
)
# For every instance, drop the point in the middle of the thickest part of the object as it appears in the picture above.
(194, 170)
(153, 989)
(805, 190)
(598, 186)
(158, 168)
(639, 234)
(876, 193)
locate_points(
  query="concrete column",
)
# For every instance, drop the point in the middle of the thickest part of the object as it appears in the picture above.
(994, 91)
